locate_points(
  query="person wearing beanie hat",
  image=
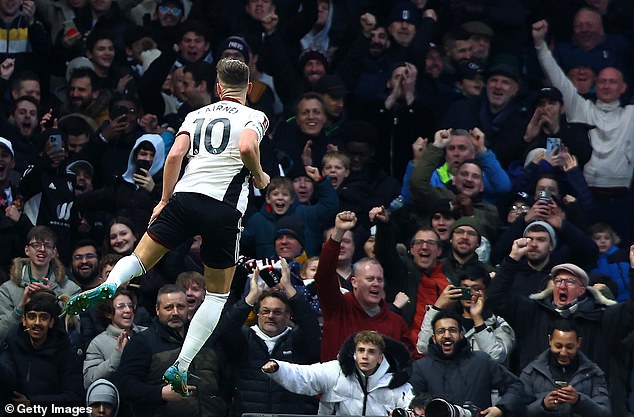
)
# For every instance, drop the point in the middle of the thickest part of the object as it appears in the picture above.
(103, 398)
(541, 225)
(333, 92)
(402, 22)
(442, 218)
(466, 238)
(505, 118)
(289, 237)
(313, 64)
(235, 47)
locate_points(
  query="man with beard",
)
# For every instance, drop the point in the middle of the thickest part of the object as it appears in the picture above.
(580, 388)
(533, 266)
(465, 239)
(368, 54)
(484, 330)
(20, 127)
(602, 323)
(84, 264)
(148, 354)
(458, 374)
(465, 188)
(84, 97)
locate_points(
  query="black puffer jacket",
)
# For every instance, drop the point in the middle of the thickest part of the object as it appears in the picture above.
(145, 359)
(253, 391)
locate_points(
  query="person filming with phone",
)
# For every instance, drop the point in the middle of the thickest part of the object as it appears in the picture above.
(484, 330)
(549, 122)
(134, 194)
(563, 381)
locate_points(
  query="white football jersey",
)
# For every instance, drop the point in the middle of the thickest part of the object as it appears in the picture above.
(215, 168)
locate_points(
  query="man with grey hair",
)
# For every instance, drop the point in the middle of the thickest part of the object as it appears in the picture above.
(463, 145)
(362, 309)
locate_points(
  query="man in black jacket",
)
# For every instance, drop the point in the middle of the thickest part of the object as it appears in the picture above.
(601, 322)
(40, 365)
(148, 354)
(249, 348)
(453, 371)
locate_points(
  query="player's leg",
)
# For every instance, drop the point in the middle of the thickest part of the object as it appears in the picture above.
(147, 253)
(221, 251)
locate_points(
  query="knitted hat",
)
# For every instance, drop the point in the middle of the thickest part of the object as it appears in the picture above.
(291, 226)
(237, 43)
(309, 54)
(468, 221)
(103, 391)
(548, 227)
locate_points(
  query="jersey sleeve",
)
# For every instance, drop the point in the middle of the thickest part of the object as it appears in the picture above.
(257, 122)
(187, 126)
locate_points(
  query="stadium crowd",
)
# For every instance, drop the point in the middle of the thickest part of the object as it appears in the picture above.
(450, 200)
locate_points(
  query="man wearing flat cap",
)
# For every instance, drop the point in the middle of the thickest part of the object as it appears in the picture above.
(602, 323)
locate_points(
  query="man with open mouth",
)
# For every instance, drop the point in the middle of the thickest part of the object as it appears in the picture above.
(455, 372)
(602, 323)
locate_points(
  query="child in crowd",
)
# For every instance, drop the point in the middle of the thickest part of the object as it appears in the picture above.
(609, 262)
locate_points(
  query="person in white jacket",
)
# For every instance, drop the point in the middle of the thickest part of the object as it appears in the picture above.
(610, 168)
(368, 378)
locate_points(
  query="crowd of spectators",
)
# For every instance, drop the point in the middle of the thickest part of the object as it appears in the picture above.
(453, 174)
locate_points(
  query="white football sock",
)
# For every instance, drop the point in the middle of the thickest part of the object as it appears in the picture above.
(202, 325)
(125, 269)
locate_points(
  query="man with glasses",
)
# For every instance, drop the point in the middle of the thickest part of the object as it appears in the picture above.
(465, 239)
(249, 348)
(418, 274)
(453, 371)
(601, 322)
(41, 265)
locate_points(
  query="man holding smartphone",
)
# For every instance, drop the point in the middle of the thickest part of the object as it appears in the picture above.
(483, 330)
(563, 380)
